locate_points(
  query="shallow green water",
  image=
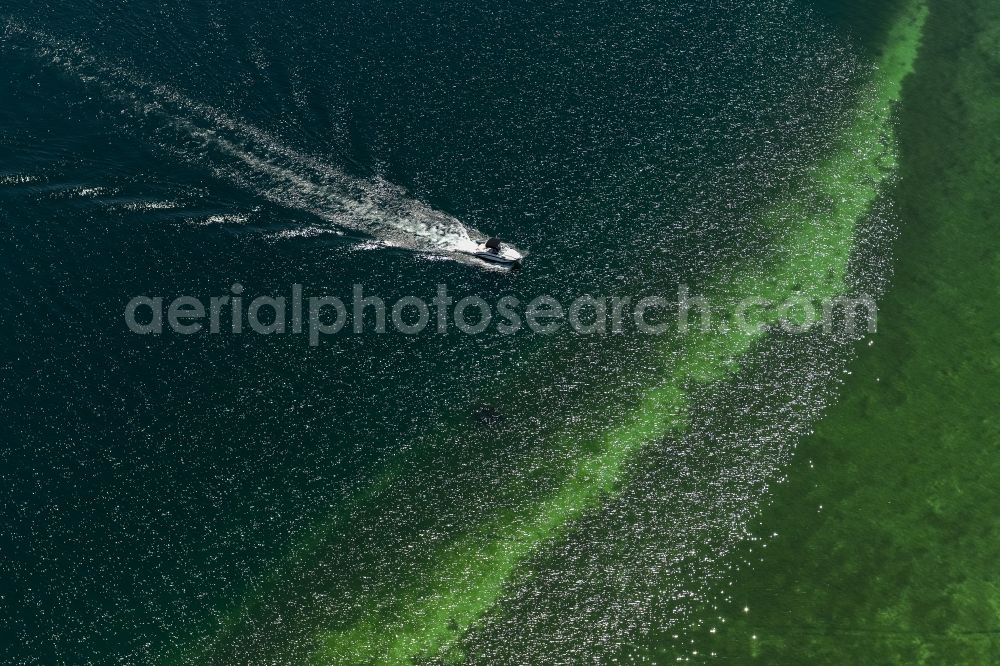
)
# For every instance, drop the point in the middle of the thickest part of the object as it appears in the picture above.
(885, 543)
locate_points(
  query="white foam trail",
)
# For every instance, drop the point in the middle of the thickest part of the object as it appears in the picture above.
(229, 218)
(304, 232)
(19, 179)
(140, 206)
(250, 157)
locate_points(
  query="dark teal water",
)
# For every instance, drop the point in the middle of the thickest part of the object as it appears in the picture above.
(155, 485)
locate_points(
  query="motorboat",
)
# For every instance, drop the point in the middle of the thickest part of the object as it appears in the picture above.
(496, 252)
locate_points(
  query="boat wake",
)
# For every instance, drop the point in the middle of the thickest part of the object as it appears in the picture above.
(253, 159)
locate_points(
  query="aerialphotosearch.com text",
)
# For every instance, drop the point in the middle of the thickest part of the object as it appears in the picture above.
(318, 317)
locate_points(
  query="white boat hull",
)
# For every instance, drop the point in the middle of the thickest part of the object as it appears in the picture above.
(505, 259)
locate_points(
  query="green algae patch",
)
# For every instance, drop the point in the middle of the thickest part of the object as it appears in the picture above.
(427, 619)
(899, 566)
